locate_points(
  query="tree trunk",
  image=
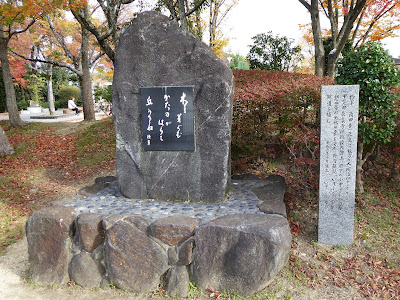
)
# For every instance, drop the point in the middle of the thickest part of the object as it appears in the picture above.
(395, 169)
(11, 100)
(331, 67)
(50, 94)
(182, 15)
(319, 46)
(359, 168)
(211, 28)
(22, 92)
(86, 79)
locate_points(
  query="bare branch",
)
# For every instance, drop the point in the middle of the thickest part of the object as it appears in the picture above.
(323, 8)
(96, 32)
(54, 63)
(306, 4)
(23, 30)
(60, 40)
(200, 4)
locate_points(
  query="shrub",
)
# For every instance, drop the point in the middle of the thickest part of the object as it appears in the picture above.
(275, 107)
(44, 104)
(273, 103)
(22, 105)
(65, 93)
(371, 67)
(37, 86)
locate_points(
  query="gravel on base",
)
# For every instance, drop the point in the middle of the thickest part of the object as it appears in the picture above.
(241, 200)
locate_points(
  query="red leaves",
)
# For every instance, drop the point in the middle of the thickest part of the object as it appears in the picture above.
(371, 277)
(18, 71)
(214, 293)
(295, 228)
(41, 150)
(44, 162)
(281, 108)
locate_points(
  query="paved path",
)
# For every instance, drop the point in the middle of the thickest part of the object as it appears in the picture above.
(69, 118)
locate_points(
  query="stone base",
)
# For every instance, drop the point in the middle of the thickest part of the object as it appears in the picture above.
(34, 110)
(241, 252)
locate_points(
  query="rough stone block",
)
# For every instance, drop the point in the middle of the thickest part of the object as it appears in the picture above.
(134, 261)
(105, 179)
(110, 220)
(173, 230)
(5, 147)
(240, 252)
(48, 232)
(185, 252)
(90, 231)
(84, 271)
(178, 282)
(141, 223)
(152, 52)
(98, 254)
(172, 255)
(271, 196)
(92, 189)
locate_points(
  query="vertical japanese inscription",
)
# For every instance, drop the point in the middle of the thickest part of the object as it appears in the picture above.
(338, 150)
(167, 118)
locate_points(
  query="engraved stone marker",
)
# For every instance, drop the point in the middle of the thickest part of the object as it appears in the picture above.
(156, 59)
(338, 149)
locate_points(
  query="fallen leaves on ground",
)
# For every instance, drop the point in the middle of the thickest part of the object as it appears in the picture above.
(46, 165)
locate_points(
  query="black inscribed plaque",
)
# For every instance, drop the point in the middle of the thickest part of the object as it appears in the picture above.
(167, 118)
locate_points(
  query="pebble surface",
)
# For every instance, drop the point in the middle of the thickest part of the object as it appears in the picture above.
(241, 200)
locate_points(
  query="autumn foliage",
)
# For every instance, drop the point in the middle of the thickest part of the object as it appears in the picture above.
(276, 108)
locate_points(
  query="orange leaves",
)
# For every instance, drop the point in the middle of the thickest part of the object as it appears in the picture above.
(18, 71)
(379, 19)
(18, 11)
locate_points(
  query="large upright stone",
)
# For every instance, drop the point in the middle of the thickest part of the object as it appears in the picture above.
(49, 233)
(90, 231)
(152, 52)
(134, 261)
(338, 148)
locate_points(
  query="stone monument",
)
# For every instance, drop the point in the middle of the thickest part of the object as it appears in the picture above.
(338, 148)
(5, 147)
(172, 104)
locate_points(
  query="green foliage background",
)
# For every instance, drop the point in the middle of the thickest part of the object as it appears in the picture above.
(272, 53)
(371, 67)
(65, 93)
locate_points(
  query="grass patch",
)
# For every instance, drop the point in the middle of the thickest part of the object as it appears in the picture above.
(12, 225)
(96, 144)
